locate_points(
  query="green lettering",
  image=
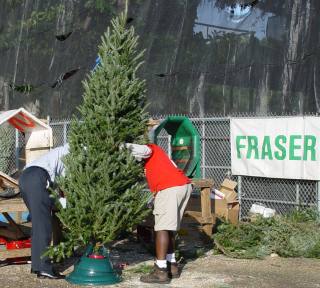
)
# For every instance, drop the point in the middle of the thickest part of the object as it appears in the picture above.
(279, 141)
(239, 145)
(266, 148)
(293, 146)
(309, 145)
(253, 147)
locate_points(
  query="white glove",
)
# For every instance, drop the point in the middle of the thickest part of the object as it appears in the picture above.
(63, 202)
(139, 152)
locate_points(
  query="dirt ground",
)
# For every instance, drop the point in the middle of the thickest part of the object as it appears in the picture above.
(206, 270)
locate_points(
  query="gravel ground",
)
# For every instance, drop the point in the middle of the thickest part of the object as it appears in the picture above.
(214, 271)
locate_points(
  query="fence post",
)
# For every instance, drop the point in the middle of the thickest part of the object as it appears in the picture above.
(64, 132)
(297, 195)
(203, 146)
(318, 195)
(17, 215)
(17, 149)
(239, 196)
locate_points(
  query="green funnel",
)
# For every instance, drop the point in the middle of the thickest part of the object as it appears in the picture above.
(93, 272)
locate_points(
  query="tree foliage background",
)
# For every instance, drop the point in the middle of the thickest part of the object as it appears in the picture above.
(265, 62)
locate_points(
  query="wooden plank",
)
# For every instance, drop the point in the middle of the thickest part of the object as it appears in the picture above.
(5, 232)
(12, 205)
(206, 209)
(8, 182)
(18, 217)
(15, 227)
(202, 183)
(153, 122)
(8, 231)
(198, 216)
(5, 254)
(205, 216)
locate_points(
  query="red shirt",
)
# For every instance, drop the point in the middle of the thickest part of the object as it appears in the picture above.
(161, 173)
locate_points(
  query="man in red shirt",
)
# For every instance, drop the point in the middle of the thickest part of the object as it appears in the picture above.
(171, 190)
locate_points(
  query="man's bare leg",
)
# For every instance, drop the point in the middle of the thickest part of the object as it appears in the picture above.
(163, 242)
(160, 273)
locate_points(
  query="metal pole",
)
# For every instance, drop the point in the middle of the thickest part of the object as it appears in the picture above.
(126, 8)
(318, 195)
(64, 133)
(203, 134)
(17, 149)
(297, 195)
(239, 196)
(6, 96)
(169, 147)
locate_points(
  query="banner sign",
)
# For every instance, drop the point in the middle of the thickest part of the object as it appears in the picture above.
(285, 147)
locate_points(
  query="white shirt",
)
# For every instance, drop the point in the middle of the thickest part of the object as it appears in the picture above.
(51, 161)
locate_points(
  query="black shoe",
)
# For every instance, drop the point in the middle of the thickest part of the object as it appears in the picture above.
(34, 271)
(158, 275)
(48, 275)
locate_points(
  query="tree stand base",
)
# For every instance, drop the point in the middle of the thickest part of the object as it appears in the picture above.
(93, 271)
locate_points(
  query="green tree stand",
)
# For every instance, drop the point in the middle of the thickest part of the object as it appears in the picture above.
(94, 271)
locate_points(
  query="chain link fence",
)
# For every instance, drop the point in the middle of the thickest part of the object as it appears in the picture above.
(282, 195)
(7, 149)
(11, 150)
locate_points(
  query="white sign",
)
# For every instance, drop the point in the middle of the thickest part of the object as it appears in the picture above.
(286, 147)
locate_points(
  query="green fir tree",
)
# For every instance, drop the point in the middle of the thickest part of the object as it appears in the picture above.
(103, 183)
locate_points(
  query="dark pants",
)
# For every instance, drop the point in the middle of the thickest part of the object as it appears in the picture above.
(33, 182)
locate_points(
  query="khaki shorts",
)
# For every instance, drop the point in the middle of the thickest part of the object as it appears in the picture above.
(169, 206)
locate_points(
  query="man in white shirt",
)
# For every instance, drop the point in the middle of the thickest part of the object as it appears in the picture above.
(34, 182)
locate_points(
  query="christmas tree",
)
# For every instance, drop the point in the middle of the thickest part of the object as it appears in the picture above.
(103, 182)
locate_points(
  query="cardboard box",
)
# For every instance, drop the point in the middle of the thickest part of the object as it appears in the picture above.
(226, 206)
